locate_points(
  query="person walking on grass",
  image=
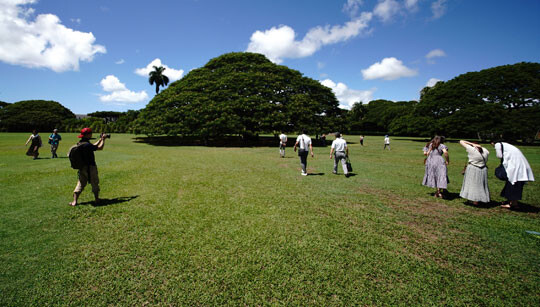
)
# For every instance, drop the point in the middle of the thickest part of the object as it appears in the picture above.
(339, 151)
(35, 144)
(475, 178)
(386, 142)
(437, 160)
(89, 172)
(303, 142)
(282, 144)
(54, 140)
(518, 172)
(362, 140)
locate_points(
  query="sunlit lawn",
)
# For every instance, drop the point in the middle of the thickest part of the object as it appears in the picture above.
(211, 226)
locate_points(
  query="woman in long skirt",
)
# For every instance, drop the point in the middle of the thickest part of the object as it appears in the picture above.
(33, 150)
(436, 173)
(518, 171)
(475, 180)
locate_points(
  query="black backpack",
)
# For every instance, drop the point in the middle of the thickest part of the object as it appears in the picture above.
(76, 157)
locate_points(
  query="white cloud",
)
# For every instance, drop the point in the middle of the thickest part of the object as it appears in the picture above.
(346, 96)
(411, 5)
(438, 8)
(121, 61)
(388, 69)
(352, 7)
(320, 65)
(435, 53)
(386, 9)
(171, 73)
(279, 43)
(42, 42)
(119, 94)
(76, 20)
(431, 82)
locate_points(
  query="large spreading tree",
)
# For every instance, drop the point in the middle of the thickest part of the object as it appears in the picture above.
(503, 100)
(27, 115)
(241, 94)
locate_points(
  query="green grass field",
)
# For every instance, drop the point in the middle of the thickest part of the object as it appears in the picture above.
(240, 226)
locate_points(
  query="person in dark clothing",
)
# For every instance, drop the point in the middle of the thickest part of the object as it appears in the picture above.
(89, 172)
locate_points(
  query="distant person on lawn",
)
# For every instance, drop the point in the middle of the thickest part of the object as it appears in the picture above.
(89, 172)
(282, 144)
(303, 142)
(35, 144)
(339, 151)
(386, 142)
(54, 140)
(362, 140)
(518, 171)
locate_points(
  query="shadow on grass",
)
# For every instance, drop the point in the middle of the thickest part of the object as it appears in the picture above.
(225, 141)
(526, 208)
(107, 202)
(315, 174)
(491, 204)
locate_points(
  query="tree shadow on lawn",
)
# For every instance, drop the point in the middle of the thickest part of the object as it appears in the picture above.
(224, 141)
(107, 202)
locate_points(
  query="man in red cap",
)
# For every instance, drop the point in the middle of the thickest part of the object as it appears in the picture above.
(89, 172)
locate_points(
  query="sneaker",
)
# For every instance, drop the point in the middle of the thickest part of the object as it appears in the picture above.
(335, 173)
(304, 174)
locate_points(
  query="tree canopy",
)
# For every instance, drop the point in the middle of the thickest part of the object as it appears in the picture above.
(503, 100)
(33, 114)
(240, 93)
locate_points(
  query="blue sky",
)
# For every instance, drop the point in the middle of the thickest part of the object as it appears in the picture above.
(94, 55)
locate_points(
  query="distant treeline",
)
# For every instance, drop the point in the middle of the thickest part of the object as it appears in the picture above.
(503, 101)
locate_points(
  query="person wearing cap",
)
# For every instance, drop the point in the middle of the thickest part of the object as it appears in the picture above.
(54, 140)
(386, 142)
(339, 151)
(88, 173)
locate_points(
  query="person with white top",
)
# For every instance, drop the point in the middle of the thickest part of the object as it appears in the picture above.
(303, 142)
(518, 171)
(282, 145)
(475, 180)
(386, 142)
(339, 151)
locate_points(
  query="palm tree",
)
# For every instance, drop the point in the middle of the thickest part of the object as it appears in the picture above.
(157, 77)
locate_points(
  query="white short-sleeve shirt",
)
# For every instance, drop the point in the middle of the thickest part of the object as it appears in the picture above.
(339, 144)
(303, 141)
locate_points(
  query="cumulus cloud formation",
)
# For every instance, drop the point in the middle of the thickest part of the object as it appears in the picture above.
(388, 69)
(438, 8)
(386, 9)
(431, 82)
(278, 43)
(119, 94)
(171, 73)
(351, 7)
(346, 96)
(43, 41)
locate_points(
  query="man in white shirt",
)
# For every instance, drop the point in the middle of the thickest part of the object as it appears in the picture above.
(303, 142)
(386, 142)
(282, 145)
(339, 151)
